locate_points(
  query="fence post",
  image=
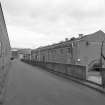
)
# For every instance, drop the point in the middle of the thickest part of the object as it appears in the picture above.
(103, 77)
(87, 72)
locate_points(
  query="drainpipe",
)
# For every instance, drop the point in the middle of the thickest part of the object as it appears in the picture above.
(102, 71)
(101, 54)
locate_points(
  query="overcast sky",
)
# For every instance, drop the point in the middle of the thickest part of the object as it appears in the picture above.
(33, 23)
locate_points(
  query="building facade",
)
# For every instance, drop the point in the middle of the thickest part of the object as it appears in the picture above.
(89, 49)
(84, 50)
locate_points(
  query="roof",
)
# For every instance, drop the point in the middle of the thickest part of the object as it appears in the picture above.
(68, 42)
(57, 45)
(99, 35)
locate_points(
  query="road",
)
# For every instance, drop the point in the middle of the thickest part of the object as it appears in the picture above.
(28, 85)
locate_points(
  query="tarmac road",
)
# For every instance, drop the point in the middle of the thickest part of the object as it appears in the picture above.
(29, 85)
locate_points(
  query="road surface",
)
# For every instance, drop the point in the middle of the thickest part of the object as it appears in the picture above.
(28, 85)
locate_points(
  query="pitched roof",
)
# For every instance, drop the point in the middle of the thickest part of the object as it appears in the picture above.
(97, 34)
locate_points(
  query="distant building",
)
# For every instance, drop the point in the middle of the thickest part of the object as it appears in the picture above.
(24, 53)
(14, 53)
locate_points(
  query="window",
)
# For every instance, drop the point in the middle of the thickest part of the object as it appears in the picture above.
(43, 58)
(36, 57)
(48, 52)
(70, 51)
(54, 51)
(87, 43)
(61, 50)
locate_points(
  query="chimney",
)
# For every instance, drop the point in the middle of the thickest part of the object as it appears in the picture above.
(80, 35)
(66, 39)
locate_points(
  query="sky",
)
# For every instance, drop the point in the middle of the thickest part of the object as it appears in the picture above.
(34, 23)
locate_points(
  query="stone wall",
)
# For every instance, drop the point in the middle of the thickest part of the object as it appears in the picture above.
(75, 71)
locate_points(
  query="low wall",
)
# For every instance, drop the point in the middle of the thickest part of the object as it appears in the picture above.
(72, 70)
(76, 71)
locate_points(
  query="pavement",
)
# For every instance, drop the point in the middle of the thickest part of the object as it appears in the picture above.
(95, 76)
(92, 81)
(96, 79)
(28, 85)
